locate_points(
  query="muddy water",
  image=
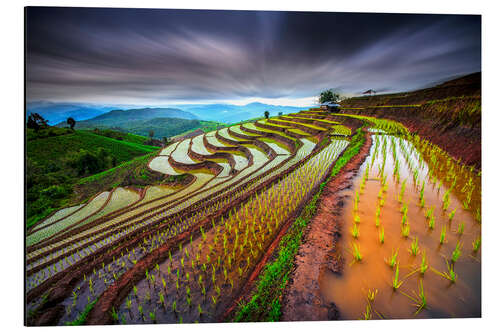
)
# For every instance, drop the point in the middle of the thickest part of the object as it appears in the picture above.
(444, 299)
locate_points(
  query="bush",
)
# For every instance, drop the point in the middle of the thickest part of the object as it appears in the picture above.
(86, 162)
(55, 192)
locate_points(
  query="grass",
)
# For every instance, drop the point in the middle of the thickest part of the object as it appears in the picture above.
(50, 149)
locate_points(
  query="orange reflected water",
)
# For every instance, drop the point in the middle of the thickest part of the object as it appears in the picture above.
(444, 299)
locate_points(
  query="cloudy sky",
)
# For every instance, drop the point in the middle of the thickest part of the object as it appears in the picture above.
(160, 57)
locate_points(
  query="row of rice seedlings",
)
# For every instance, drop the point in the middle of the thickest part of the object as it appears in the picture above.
(240, 239)
(135, 226)
(153, 242)
(442, 162)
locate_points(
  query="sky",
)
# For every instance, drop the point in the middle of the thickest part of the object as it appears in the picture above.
(158, 57)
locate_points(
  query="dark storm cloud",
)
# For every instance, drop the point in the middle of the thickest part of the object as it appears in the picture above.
(154, 56)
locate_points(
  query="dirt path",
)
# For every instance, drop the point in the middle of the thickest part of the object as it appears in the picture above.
(302, 300)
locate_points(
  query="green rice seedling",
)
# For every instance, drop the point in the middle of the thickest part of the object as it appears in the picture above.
(446, 200)
(450, 275)
(420, 299)
(377, 221)
(129, 304)
(476, 244)
(381, 202)
(477, 215)
(381, 236)
(423, 264)
(392, 261)
(422, 198)
(404, 219)
(432, 222)
(152, 316)
(357, 219)
(200, 311)
(456, 252)
(395, 280)
(443, 235)
(452, 214)
(461, 228)
(174, 306)
(414, 248)
(355, 231)
(141, 313)
(405, 230)
(356, 252)
(114, 314)
(429, 213)
(402, 191)
(404, 208)
(371, 295)
(367, 315)
(162, 299)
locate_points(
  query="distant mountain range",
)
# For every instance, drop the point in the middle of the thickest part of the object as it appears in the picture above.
(57, 112)
(228, 113)
(163, 121)
(117, 117)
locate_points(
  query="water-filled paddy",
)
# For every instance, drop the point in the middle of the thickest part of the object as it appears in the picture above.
(426, 222)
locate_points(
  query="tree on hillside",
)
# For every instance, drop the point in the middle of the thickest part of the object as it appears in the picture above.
(266, 114)
(329, 96)
(36, 121)
(280, 113)
(165, 141)
(71, 122)
(151, 134)
(87, 162)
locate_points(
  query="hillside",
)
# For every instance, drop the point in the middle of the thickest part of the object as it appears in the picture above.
(162, 127)
(448, 114)
(119, 116)
(54, 164)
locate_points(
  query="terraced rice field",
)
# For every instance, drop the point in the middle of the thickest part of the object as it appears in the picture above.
(190, 253)
(97, 242)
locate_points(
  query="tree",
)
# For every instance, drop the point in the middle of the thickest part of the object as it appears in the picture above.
(151, 134)
(329, 96)
(280, 113)
(266, 114)
(165, 141)
(36, 121)
(71, 122)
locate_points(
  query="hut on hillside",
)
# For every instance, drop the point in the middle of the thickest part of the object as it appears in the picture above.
(330, 106)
